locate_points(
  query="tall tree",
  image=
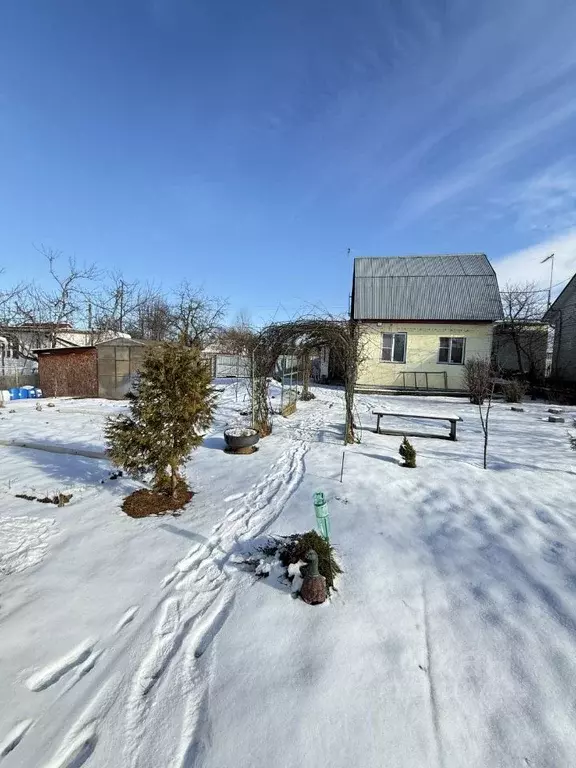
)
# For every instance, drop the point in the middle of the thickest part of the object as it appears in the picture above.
(62, 301)
(122, 306)
(152, 319)
(8, 299)
(196, 317)
(524, 306)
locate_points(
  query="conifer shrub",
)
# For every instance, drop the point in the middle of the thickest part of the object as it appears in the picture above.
(408, 453)
(170, 409)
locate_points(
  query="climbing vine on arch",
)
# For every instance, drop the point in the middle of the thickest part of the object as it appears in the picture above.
(342, 337)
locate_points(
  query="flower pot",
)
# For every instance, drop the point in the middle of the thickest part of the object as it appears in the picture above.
(240, 437)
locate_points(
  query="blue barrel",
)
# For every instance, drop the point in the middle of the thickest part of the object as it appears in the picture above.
(14, 393)
(24, 393)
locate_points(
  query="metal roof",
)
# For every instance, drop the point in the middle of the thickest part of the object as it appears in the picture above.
(559, 301)
(446, 287)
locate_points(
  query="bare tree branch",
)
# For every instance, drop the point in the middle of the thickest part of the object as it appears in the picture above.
(58, 305)
(524, 307)
(196, 317)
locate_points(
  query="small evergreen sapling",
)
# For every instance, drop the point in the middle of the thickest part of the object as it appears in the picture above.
(170, 409)
(408, 453)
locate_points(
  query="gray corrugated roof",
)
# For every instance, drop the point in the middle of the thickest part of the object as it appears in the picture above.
(563, 296)
(459, 286)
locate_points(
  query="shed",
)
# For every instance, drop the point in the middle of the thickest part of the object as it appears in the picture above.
(68, 371)
(107, 369)
(119, 361)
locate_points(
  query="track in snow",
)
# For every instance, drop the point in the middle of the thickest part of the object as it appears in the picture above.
(155, 680)
(200, 596)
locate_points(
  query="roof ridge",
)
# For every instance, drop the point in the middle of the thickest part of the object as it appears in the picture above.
(424, 255)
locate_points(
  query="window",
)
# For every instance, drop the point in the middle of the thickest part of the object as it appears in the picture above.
(452, 350)
(394, 347)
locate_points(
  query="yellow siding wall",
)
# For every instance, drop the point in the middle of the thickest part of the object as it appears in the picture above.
(422, 345)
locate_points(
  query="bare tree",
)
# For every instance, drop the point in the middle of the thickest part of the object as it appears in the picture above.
(524, 306)
(484, 410)
(479, 379)
(123, 306)
(238, 338)
(61, 303)
(196, 317)
(8, 299)
(152, 319)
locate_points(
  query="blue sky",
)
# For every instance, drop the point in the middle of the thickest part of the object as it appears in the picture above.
(247, 146)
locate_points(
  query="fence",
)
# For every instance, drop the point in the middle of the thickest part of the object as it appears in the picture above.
(230, 366)
(19, 380)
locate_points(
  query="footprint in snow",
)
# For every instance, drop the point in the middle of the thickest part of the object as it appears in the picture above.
(51, 673)
(14, 737)
(126, 618)
(234, 497)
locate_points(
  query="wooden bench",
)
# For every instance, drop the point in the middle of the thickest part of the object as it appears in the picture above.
(433, 417)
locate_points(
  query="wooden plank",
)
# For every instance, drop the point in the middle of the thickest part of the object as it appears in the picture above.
(417, 415)
(402, 432)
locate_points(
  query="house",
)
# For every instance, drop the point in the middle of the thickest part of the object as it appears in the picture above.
(107, 369)
(562, 316)
(422, 317)
(521, 347)
(17, 343)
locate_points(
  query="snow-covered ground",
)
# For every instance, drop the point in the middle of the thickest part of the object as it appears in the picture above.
(451, 640)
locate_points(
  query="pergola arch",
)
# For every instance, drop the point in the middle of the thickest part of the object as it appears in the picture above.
(341, 336)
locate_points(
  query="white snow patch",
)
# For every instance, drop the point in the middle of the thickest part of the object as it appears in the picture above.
(240, 432)
(23, 542)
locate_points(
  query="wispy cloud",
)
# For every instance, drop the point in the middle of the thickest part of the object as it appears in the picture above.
(466, 101)
(525, 265)
(545, 202)
(503, 150)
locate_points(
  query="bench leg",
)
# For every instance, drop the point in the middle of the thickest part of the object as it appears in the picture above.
(453, 431)
(378, 425)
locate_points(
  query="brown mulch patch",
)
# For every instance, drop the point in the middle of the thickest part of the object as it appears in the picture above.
(144, 502)
(60, 499)
(242, 451)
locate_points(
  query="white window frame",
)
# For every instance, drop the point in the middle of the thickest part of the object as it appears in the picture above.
(450, 340)
(393, 334)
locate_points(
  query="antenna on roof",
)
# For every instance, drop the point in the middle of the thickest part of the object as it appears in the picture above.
(548, 258)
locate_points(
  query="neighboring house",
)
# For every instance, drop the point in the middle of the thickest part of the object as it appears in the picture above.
(522, 348)
(562, 316)
(422, 317)
(107, 369)
(18, 342)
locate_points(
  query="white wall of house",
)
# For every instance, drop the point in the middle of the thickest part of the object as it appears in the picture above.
(416, 359)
